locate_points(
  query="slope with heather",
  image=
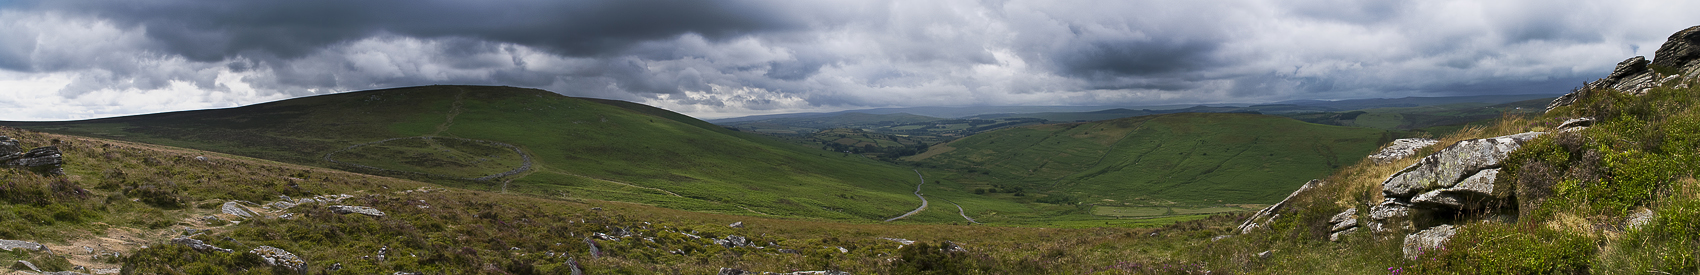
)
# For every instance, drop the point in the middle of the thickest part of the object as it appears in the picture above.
(581, 147)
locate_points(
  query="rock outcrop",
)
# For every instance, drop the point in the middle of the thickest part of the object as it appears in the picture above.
(1428, 239)
(198, 245)
(46, 159)
(1268, 214)
(278, 257)
(1341, 224)
(1679, 56)
(349, 209)
(235, 208)
(1401, 148)
(14, 244)
(1455, 182)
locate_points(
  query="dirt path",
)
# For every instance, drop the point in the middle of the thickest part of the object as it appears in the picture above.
(960, 211)
(917, 195)
(454, 110)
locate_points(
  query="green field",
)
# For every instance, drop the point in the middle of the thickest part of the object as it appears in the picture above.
(583, 148)
(1195, 159)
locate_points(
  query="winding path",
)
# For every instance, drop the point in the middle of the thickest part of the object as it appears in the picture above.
(918, 195)
(960, 211)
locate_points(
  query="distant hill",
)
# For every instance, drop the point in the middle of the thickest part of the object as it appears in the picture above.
(577, 147)
(1187, 158)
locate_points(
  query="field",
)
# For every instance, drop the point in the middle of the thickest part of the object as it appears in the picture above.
(1191, 160)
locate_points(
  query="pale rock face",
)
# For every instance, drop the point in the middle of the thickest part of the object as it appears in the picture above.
(1268, 214)
(278, 257)
(348, 209)
(235, 208)
(1400, 149)
(1451, 165)
(1429, 239)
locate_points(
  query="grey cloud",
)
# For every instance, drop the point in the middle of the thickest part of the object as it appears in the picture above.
(215, 30)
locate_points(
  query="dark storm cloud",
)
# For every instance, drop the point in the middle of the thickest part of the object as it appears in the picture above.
(737, 57)
(214, 30)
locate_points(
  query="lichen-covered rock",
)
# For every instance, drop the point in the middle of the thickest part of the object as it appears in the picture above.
(15, 244)
(1680, 51)
(1446, 168)
(350, 209)
(1390, 215)
(235, 208)
(45, 159)
(198, 244)
(1401, 148)
(1346, 219)
(278, 257)
(1268, 214)
(1428, 239)
(1335, 237)
(1638, 219)
(1575, 124)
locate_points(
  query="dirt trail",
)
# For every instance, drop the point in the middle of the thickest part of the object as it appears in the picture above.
(960, 211)
(917, 195)
(454, 110)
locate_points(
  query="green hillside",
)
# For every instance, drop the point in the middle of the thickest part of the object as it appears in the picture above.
(581, 148)
(1187, 158)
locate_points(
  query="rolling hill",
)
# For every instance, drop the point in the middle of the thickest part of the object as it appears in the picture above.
(481, 137)
(1189, 159)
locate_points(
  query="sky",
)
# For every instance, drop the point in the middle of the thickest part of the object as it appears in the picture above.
(81, 59)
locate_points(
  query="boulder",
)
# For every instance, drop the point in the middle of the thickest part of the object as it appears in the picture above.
(277, 257)
(349, 209)
(235, 208)
(198, 244)
(1390, 215)
(1575, 124)
(1638, 219)
(14, 244)
(1335, 237)
(1268, 214)
(1446, 168)
(45, 159)
(1346, 219)
(1401, 148)
(1428, 239)
(737, 225)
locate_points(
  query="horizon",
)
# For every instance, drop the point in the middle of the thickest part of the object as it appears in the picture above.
(73, 60)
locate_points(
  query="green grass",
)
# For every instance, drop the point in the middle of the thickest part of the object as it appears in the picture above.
(1189, 158)
(618, 144)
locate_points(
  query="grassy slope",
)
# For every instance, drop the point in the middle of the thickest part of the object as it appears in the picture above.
(583, 148)
(121, 196)
(1195, 158)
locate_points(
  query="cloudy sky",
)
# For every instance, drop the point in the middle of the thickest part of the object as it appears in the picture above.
(75, 59)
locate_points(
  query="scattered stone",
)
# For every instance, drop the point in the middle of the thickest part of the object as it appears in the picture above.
(1638, 219)
(733, 241)
(1220, 237)
(349, 209)
(1268, 214)
(198, 245)
(278, 257)
(949, 246)
(1431, 238)
(234, 208)
(1335, 237)
(574, 265)
(841, 250)
(595, 252)
(29, 265)
(14, 244)
(789, 251)
(737, 225)
(1401, 148)
(1264, 255)
(902, 241)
